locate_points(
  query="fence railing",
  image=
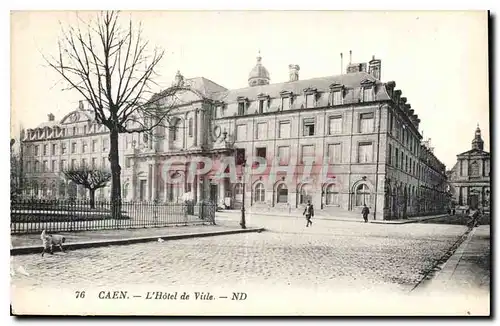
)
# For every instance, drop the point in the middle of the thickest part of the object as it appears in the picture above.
(33, 216)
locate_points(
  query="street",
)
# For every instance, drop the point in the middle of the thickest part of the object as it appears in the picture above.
(330, 253)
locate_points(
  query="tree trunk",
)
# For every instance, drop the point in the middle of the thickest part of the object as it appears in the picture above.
(116, 196)
(92, 198)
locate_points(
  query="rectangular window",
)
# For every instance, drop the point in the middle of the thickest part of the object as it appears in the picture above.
(105, 142)
(44, 150)
(310, 101)
(84, 163)
(84, 147)
(54, 148)
(285, 103)
(283, 155)
(284, 130)
(261, 152)
(367, 94)
(75, 130)
(406, 163)
(127, 162)
(94, 145)
(335, 125)
(337, 97)
(190, 126)
(366, 122)
(307, 151)
(261, 132)
(94, 163)
(390, 122)
(73, 148)
(53, 166)
(365, 153)
(335, 153)
(37, 166)
(241, 132)
(241, 108)
(36, 150)
(45, 166)
(308, 125)
(104, 160)
(389, 157)
(261, 106)
(402, 163)
(84, 130)
(62, 165)
(396, 157)
(73, 164)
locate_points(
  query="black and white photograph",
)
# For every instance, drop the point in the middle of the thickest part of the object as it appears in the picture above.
(250, 163)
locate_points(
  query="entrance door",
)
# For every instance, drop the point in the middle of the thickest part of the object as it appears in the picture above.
(142, 190)
(474, 201)
(213, 193)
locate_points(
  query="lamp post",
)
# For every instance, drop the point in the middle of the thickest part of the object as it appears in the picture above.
(243, 222)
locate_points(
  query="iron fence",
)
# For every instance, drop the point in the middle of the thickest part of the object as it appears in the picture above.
(34, 215)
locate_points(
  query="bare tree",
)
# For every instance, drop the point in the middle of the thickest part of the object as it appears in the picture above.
(110, 67)
(15, 172)
(91, 179)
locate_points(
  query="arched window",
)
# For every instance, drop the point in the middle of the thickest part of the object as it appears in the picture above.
(125, 190)
(331, 195)
(62, 189)
(44, 189)
(362, 195)
(260, 193)
(282, 194)
(305, 194)
(238, 189)
(35, 188)
(177, 130)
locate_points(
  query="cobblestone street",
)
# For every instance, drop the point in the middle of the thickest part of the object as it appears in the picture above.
(330, 253)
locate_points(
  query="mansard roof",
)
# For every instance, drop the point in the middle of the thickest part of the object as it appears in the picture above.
(351, 81)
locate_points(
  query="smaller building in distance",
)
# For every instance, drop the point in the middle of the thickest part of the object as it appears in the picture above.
(470, 177)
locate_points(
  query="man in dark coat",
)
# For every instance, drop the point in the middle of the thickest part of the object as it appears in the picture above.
(308, 212)
(365, 213)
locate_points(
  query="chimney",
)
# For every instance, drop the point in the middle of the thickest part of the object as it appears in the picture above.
(80, 105)
(51, 116)
(356, 67)
(293, 72)
(341, 62)
(375, 65)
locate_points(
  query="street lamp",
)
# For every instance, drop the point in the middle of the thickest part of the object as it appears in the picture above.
(243, 222)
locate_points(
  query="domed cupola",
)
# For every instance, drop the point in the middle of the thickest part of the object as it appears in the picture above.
(259, 74)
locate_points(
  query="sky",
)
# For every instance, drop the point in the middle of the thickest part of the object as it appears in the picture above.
(438, 59)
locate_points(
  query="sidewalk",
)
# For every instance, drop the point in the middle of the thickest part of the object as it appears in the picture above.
(31, 243)
(320, 216)
(467, 272)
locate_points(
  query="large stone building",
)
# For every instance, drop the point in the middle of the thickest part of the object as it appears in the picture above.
(360, 133)
(469, 179)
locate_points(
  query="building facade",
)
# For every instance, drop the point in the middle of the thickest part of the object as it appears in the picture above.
(339, 141)
(469, 178)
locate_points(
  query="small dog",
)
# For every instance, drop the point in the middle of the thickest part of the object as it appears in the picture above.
(51, 240)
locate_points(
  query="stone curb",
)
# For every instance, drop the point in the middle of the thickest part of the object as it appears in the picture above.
(407, 221)
(93, 244)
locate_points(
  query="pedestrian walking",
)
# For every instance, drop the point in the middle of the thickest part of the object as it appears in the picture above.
(365, 213)
(308, 212)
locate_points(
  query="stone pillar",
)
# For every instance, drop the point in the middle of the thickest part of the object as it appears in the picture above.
(150, 179)
(134, 182)
(194, 189)
(154, 181)
(195, 122)
(201, 127)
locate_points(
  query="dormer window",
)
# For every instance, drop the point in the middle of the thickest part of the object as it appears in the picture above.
(310, 94)
(367, 90)
(286, 100)
(242, 105)
(241, 108)
(367, 94)
(337, 94)
(263, 103)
